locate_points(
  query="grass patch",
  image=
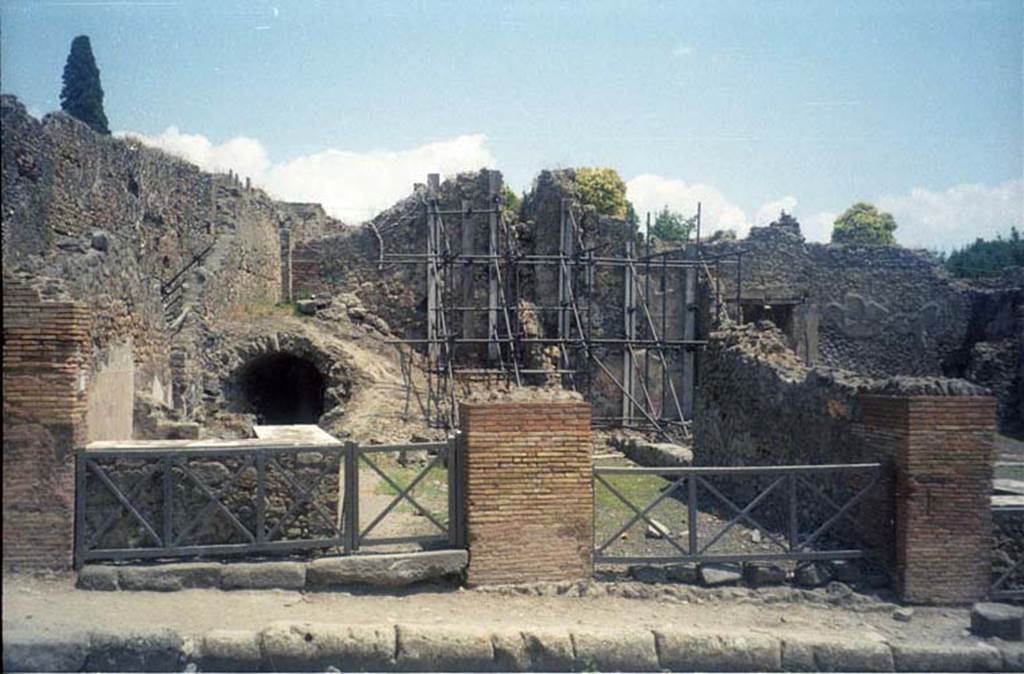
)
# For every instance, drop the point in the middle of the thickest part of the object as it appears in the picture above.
(431, 492)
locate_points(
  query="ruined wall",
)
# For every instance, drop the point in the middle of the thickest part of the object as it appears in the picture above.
(758, 404)
(348, 262)
(880, 311)
(114, 220)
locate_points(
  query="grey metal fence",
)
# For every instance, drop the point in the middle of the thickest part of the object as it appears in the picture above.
(1008, 553)
(144, 503)
(797, 513)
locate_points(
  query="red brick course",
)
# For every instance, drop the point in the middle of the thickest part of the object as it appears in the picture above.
(45, 360)
(528, 491)
(943, 455)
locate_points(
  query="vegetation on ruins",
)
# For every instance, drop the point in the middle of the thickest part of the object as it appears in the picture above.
(82, 96)
(987, 258)
(512, 203)
(863, 223)
(672, 225)
(603, 189)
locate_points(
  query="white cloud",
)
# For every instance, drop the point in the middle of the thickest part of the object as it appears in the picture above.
(246, 156)
(352, 186)
(818, 227)
(682, 51)
(950, 218)
(771, 210)
(651, 193)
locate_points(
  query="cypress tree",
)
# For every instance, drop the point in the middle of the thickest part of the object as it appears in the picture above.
(82, 95)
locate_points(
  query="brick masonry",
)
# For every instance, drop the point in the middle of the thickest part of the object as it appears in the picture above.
(529, 492)
(943, 455)
(45, 367)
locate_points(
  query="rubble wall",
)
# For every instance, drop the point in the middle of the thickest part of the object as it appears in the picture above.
(758, 404)
(882, 311)
(114, 220)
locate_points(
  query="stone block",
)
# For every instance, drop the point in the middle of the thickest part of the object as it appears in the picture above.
(510, 652)
(98, 577)
(148, 578)
(682, 573)
(549, 650)
(811, 575)
(845, 571)
(160, 651)
(619, 651)
(648, 573)
(801, 655)
(998, 620)
(946, 658)
(759, 574)
(683, 651)
(386, 570)
(45, 653)
(230, 651)
(1013, 657)
(716, 575)
(292, 646)
(264, 576)
(439, 648)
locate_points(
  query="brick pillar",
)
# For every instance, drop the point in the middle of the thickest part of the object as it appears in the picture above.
(529, 491)
(943, 454)
(46, 344)
(286, 264)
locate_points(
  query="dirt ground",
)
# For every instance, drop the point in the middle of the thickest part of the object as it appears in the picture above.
(53, 606)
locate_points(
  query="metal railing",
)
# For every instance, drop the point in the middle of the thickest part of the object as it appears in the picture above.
(786, 528)
(144, 503)
(1008, 566)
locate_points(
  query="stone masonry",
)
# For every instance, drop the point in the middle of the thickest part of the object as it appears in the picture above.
(529, 497)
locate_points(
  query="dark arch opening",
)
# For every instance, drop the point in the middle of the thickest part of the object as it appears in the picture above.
(283, 389)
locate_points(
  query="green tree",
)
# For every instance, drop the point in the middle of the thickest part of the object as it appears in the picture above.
(603, 189)
(987, 258)
(672, 225)
(82, 96)
(512, 205)
(863, 223)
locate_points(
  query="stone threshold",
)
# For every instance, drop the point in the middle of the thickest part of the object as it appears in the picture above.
(303, 646)
(384, 570)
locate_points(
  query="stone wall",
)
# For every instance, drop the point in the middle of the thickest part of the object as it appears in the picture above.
(349, 261)
(528, 491)
(880, 311)
(45, 369)
(115, 219)
(759, 404)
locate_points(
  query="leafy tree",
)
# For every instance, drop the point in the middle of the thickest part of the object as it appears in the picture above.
(603, 189)
(512, 204)
(82, 95)
(672, 225)
(987, 258)
(863, 223)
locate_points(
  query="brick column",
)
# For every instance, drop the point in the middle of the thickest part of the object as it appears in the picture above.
(46, 346)
(529, 491)
(943, 454)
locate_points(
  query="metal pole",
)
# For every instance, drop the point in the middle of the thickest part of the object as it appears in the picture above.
(629, 320)
(493, 192)
(467, 270)
(646, 300)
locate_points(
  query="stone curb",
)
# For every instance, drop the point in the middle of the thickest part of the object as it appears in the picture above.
(389, 571)
(303, 646)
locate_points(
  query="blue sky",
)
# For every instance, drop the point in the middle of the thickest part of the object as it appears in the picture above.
(748, 106)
